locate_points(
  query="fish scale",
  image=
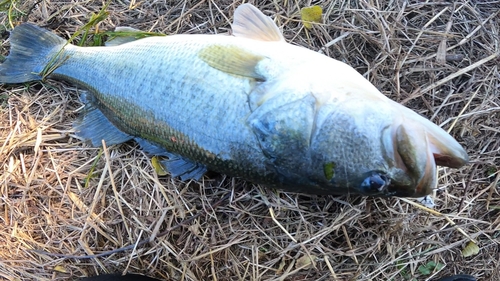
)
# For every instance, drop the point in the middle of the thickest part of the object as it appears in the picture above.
(201, 134)
(183, 106)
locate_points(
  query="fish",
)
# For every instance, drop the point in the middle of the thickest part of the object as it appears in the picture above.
(248, 105)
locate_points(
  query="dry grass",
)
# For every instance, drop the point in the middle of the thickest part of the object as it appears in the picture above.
(60, 196)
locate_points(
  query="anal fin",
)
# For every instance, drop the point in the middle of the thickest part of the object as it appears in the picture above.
(94, 127)
(151, 148)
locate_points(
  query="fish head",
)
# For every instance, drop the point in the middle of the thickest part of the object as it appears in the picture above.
(418, 146)
(412, 166)
(330, 139)
(391, 153)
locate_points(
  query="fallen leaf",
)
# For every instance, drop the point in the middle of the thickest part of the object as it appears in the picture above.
(159, 169)
(311, 15)
(60, 268)
(305, 261)
(470, 250)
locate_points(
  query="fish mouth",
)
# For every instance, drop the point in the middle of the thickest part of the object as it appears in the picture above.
(417, 150)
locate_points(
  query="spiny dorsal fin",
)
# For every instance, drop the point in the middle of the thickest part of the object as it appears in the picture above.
(251, 23)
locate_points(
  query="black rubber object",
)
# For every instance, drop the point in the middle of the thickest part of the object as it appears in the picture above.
(119, 277)
(459, 277)
(137, 277)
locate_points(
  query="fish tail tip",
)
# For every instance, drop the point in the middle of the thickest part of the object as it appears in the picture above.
(31, 50)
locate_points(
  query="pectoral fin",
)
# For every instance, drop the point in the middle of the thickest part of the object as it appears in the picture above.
(232, 59)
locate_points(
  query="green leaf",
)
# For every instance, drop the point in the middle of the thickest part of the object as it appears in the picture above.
(94, 20)
(429, 267)
(159, 169)
(136, 34)
(91, 173)
(4, 100)
(470, 250)
(491, 171)
(310, 15)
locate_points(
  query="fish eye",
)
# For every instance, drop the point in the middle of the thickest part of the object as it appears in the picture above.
(375, 183)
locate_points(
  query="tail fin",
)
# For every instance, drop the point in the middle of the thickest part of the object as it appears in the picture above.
(32, 48)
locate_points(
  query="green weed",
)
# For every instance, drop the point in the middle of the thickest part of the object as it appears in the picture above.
(429, 268)
(9, 7)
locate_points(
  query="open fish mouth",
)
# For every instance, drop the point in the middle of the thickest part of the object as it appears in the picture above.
(416, 152)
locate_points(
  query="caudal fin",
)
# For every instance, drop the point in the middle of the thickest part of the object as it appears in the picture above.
(32, 49)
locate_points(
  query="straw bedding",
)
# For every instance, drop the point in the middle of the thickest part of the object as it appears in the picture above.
(60, 196)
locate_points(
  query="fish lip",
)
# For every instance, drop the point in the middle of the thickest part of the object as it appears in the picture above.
(411, 162)
(444, 151)
(411, 190)
(408, 187)
(456, 161)
(401, 183)
(402, 189)
(419, 159)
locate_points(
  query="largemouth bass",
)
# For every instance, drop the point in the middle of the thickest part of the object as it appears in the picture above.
(248, 105)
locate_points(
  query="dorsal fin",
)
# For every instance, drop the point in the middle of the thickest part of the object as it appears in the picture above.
(251, 23)
(119, 40)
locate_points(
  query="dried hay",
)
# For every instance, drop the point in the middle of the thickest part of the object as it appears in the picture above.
(60, 196)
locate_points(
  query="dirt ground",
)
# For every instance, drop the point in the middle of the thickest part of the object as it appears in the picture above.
(60, 196)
